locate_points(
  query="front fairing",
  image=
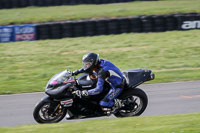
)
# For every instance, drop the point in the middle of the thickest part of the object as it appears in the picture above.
(60, 85)
(59, 79)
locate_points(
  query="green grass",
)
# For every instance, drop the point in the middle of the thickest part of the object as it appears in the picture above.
(185, 123)
(46, 14)
(27, 66)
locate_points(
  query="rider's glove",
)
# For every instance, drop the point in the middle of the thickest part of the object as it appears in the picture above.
(75, 72)
(85, 93)
(81, 93)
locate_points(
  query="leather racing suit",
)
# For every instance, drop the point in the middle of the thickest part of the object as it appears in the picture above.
(107, 72)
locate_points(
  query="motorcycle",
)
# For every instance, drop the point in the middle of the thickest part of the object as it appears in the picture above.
(61, 101)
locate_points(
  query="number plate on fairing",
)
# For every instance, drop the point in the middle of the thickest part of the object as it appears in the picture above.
(67, 103)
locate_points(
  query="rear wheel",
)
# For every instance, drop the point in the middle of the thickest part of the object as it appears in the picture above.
(49, 112)
(135, 101)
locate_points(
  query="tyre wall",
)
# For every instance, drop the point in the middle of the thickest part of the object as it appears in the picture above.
(139, 24)
(24, 3)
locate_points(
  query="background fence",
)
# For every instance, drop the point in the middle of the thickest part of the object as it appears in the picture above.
(154, 23)
(25, 3)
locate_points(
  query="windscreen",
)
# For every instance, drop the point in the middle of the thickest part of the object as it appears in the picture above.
(60, 78)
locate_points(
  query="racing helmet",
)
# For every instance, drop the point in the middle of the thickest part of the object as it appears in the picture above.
(90, 61)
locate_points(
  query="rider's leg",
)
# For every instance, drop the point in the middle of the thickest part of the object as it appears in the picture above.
(110, 102)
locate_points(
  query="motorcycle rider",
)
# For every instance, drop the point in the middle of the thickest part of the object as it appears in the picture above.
(106, 72)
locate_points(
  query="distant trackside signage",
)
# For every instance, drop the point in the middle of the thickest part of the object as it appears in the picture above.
(191, 25)
(17, 33)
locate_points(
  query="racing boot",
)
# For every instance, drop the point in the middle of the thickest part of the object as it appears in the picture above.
(118, 104)
(70, 116)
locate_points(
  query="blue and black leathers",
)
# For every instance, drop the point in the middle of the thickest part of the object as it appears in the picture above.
(107, 72)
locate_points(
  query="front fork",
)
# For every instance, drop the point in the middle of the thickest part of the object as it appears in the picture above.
(53, 110)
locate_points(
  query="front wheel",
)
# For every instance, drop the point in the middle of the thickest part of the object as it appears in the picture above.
(48, 111)
(135, 101)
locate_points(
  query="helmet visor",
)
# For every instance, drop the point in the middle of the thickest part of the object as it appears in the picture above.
(87, 65)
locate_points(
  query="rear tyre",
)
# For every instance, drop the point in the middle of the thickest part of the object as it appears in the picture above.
(135, 101)
(49, 112)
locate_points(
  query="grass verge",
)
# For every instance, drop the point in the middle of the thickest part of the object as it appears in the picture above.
(184, 123)
(27, 66)
(58, 13)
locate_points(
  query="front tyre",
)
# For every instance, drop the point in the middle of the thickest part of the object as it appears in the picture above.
(135, 101)
(48, 111)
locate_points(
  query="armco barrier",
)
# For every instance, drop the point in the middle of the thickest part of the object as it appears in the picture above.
(24, 3)
(154, 23)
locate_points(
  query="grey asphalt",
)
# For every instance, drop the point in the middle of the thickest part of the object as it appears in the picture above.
(164, 99)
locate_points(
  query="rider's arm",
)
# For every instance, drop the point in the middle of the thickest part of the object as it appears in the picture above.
(102, 75)
(81, 70)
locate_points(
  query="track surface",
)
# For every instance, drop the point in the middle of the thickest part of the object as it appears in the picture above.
(164, 99)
